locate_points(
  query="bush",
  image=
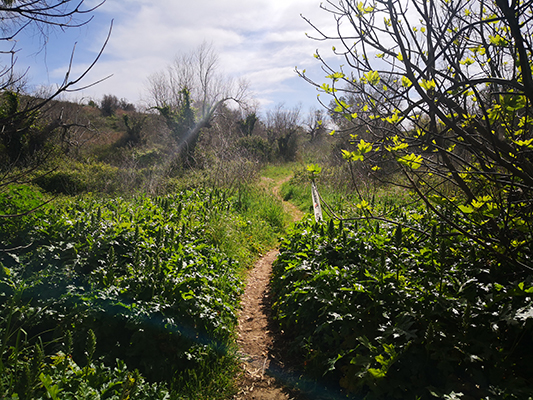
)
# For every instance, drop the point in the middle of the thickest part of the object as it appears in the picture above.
(394, 311)
(109, 105)
(255, 148)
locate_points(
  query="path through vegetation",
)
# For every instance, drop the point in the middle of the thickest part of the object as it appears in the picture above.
(265, 373)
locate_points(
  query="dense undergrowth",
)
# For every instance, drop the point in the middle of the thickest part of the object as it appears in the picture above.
(409, 311)
(126, 297)
(337, 191)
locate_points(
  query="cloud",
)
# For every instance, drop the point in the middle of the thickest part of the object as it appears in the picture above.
(261, 40)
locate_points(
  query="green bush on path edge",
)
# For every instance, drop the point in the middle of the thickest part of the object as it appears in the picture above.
(119, 298)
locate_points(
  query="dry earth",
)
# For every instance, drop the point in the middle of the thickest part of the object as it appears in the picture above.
(265, 374)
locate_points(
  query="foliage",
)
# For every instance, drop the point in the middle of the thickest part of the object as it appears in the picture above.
(255, 148)
(279, 171)
(180, 118)
(134, 127)
(332, 188)
(445, 90)
(246, 126)
(394, 311)
(25, 134)
(282, 127)
(109, 105)
(75, 178)
(143, 281)
(16, 205)
(180, 121)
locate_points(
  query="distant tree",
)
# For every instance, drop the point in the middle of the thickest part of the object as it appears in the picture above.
(282, 126)
(109, 105)
(41, 16)
(125, 105)
(183, 128)
(22, 135)
(192, 90)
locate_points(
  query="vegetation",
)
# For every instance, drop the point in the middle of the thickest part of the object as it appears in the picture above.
(126, 232)
(404, 311)
(102, 296)
(442, 92)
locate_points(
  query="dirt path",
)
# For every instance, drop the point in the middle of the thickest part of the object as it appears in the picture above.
(262, 364)
(290, 208)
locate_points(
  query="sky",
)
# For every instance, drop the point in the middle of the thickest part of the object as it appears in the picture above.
(261, 41)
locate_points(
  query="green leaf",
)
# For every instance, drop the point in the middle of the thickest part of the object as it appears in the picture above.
(406, 82)
(363, 205)
(52, 390)
(352, 155)
(314, 169)
(524, 143)
(341, 106)
(328, 89)
(336, 76)
(428, 85)
(364, 147)
(498, 40)
(466, 209)
(371, 77)
(399, 144)
(412, 161)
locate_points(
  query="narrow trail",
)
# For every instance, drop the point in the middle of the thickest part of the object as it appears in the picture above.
(262, 364)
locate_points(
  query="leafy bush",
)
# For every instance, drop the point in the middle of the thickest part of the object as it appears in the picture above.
(146, 279)
(109, 105)
(396, 312)
(255, 147)
(77, 177)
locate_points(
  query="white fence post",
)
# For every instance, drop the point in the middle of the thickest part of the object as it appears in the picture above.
(316, 202)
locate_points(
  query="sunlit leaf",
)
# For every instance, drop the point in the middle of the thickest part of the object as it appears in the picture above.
(412, 161)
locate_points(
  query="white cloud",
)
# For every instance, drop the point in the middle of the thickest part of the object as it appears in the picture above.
(262, 40)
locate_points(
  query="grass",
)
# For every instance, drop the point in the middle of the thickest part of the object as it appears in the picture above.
(338, 195)
(280, 171)
(253, 230)
(298, 194)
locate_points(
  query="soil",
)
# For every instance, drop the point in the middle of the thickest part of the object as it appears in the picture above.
(266, 374)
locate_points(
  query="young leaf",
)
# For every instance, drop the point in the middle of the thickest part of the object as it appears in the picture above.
(372, 77)
(412, 161)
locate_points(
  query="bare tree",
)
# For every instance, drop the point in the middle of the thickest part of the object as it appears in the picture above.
(193, 81)
(27, 122)
(40, 15)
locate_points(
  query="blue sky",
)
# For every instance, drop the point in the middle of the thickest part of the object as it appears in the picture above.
(260, 40)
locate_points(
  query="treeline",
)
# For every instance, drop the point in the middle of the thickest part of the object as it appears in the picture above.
(112, 145)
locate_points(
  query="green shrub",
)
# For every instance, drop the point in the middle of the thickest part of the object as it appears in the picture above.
(76, 177)
(147, 281)
(255, 147)
(404, 311)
